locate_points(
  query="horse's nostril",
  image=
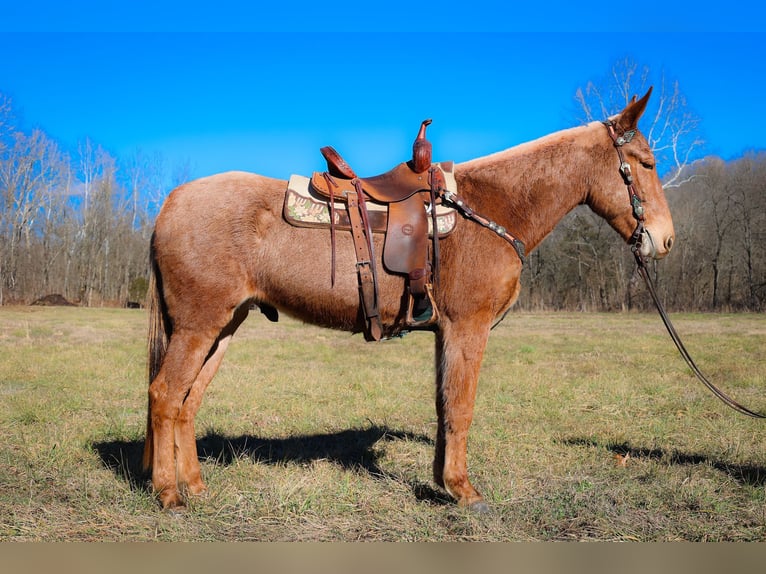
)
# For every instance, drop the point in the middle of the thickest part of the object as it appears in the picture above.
(669, 243)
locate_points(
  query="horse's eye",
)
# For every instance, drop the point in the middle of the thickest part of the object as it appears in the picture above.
(647, 164)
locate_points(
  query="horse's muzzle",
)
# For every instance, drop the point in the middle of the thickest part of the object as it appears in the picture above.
(653, 249)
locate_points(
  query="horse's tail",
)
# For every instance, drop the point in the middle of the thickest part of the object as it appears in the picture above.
(157, 345)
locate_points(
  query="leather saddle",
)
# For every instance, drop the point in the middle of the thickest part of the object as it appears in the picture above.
(408, 250)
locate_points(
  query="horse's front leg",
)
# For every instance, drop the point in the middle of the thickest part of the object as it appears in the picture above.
(459, 352)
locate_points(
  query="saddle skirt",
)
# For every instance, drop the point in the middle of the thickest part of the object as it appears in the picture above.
(304, 207)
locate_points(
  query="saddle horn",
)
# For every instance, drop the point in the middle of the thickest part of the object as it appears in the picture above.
(421, 150)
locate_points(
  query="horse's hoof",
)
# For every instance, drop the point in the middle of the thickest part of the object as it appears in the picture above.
(172, 502)
(203, 494)
(175, 511)
(197, 490)
(479, 507)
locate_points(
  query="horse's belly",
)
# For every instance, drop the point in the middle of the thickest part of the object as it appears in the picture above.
(294, 274)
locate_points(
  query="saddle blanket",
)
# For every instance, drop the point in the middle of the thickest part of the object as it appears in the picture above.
(305, 208)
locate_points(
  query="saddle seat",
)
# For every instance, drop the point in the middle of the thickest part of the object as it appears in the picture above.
(404, 190)
(395, 185)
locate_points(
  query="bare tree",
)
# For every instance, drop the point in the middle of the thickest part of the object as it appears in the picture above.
(673, 129)
(146, 187)
(31, 170)
(716, 189)
(80, 228)
(6, 120)
(747, 177)
(719, 261)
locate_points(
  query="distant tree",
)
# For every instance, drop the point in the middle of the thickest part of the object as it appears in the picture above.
(146, 175)
(79, 226)
(749, 175)
(6, 119)
(32, 171)
(716, 189)
(96, 235)
(669, 125)
(719, 261)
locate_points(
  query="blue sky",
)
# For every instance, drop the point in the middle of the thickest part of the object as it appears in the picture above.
(257, 89)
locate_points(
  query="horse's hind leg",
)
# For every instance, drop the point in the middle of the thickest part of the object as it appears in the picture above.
(186, 354)
(187, 462)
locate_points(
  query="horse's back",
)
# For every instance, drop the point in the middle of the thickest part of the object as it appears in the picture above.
(216, 197)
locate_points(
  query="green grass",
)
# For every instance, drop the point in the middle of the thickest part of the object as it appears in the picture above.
(300, 441)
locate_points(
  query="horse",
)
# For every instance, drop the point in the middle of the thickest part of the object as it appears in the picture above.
(221, 247)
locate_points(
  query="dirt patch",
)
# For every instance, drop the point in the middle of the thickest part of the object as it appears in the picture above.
(53, 300)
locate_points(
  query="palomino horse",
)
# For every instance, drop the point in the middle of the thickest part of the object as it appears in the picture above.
(221, 244)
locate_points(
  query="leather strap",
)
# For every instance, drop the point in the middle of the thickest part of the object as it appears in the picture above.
(436, 183)
(365, 266)
(727, 400)
(331, 185)
(459, 203)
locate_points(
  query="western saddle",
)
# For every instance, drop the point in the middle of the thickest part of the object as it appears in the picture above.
(409, 190)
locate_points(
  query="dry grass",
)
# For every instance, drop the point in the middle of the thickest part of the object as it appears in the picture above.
(588, 427)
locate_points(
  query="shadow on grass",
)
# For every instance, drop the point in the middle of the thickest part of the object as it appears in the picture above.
(745, 474)
(350, 449)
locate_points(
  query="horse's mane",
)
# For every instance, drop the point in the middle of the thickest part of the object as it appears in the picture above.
(525, 148)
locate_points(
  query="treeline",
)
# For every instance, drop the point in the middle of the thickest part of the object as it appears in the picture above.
(78, 224)
(718, 261)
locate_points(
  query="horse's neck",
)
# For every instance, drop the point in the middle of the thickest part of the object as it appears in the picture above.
(531, 187)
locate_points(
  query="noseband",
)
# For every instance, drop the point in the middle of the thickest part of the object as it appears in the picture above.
(635, 243)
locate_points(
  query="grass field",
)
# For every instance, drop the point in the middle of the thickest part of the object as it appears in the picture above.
(587, 427)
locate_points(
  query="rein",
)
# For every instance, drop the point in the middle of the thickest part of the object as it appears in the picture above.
(635, 246)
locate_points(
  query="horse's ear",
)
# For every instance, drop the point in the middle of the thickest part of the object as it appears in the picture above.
(630, 115)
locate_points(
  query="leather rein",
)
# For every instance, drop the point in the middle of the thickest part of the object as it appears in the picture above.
(635, 243)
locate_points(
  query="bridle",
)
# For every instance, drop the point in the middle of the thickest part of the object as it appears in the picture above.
(636, 240)
(635, 243)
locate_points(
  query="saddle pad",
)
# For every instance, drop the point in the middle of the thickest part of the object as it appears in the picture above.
(305, 208)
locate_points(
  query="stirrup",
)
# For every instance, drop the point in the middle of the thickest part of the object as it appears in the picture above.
(426, 318)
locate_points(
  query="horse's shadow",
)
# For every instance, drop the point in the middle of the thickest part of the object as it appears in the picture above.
(352, 449)
(745, 474)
